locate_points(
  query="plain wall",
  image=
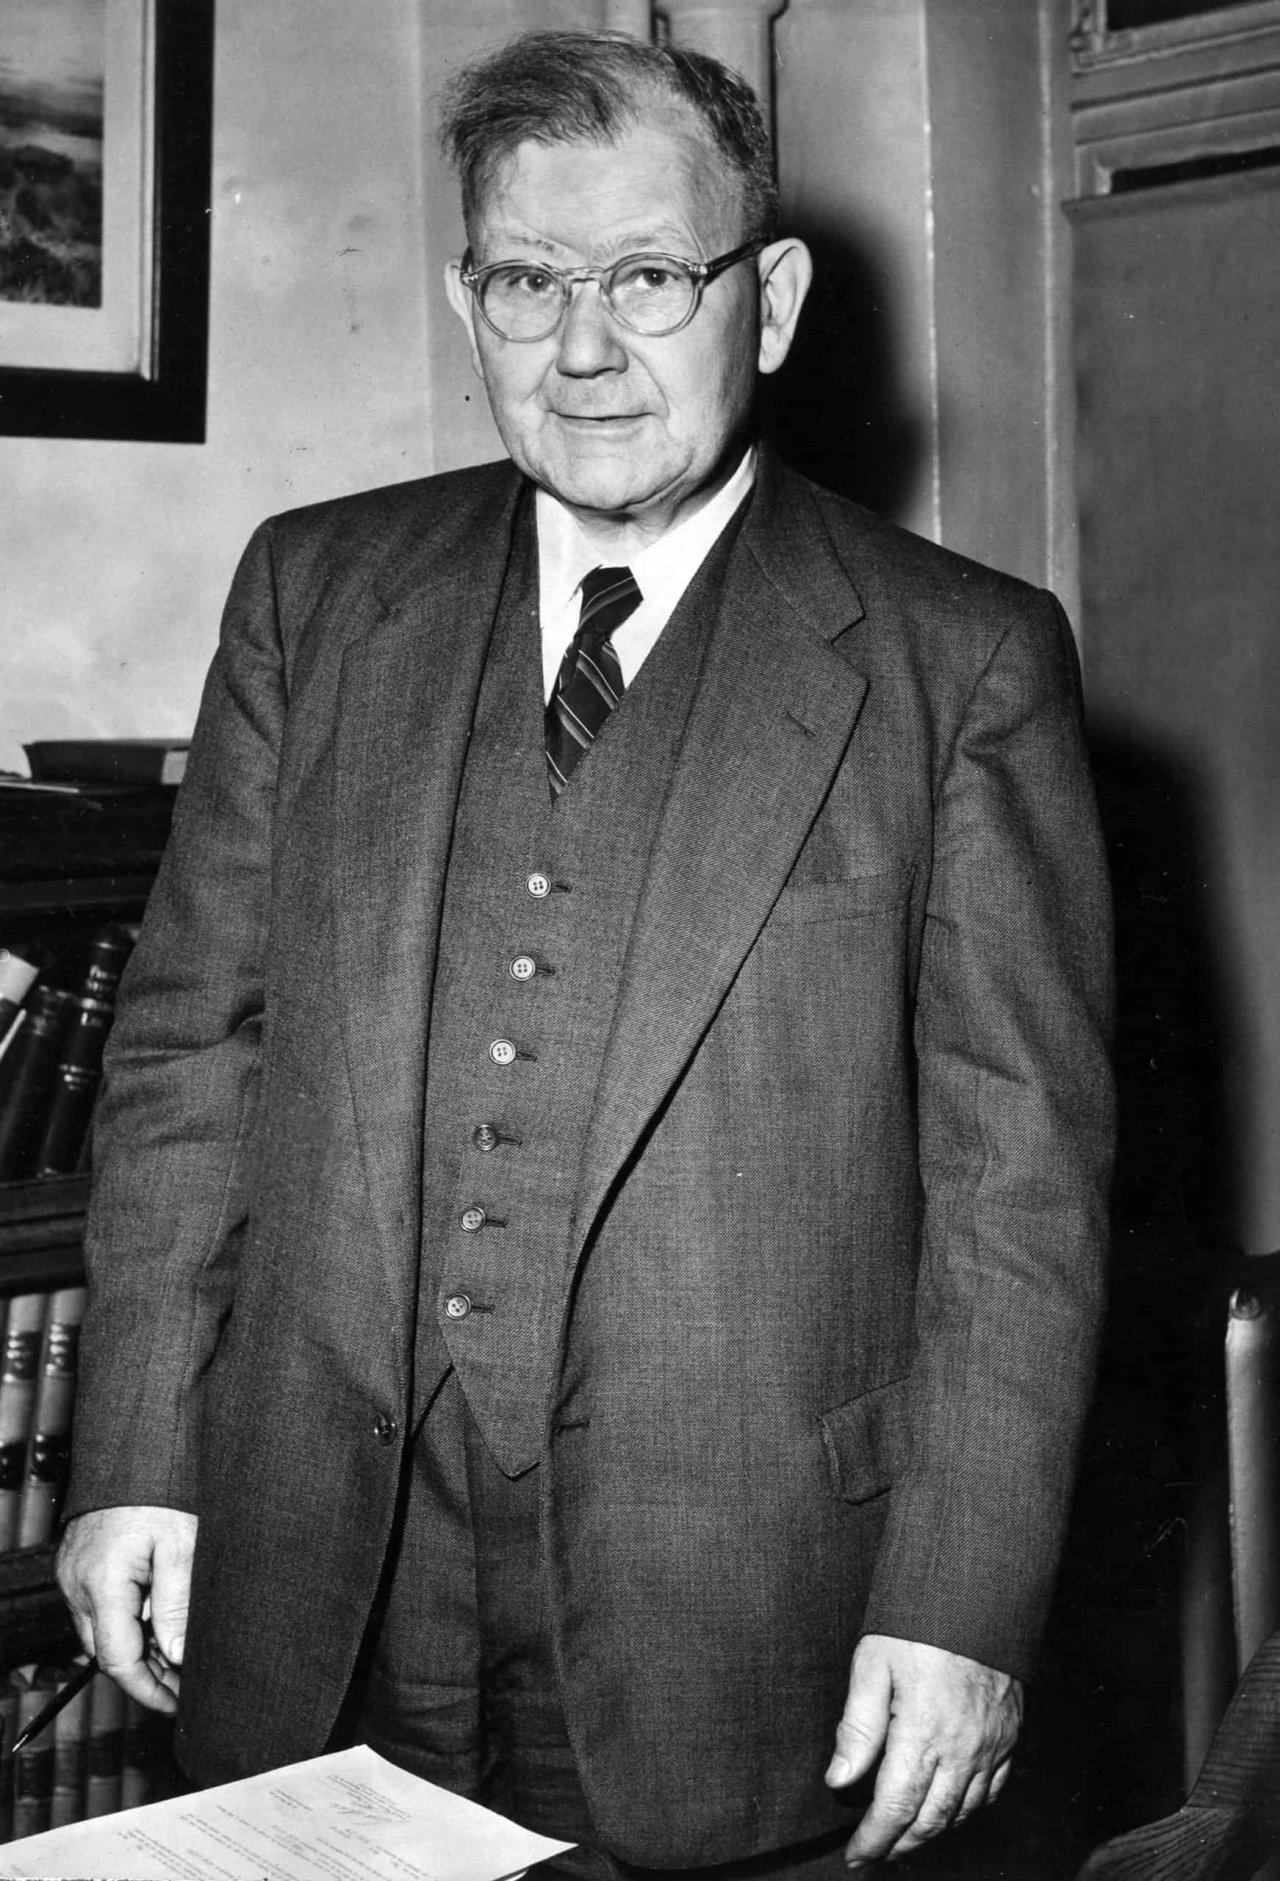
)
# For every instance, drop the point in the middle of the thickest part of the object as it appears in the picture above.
(116, 555)
(913, 146)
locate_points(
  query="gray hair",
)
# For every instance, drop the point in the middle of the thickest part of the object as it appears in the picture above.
(553, 87)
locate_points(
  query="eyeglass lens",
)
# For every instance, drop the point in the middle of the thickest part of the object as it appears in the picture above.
(646, 292)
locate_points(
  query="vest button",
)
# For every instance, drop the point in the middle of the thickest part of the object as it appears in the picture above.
(523, 968)
(384, 1428)
(457, 1306)
(484, 1136)
(502, 1051)
(472, 1218)
(539, 884)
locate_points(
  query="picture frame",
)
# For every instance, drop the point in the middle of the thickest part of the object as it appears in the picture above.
(104, 333)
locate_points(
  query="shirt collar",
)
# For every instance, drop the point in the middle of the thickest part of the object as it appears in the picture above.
(565, 555)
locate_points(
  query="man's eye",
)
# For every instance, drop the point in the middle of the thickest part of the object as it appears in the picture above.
(533, 283)
(651, 277)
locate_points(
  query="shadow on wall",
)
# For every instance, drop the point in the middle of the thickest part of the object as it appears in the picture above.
(1152, 1490)
(837, 410)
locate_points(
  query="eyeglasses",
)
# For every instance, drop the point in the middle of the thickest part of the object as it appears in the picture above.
(650, 294)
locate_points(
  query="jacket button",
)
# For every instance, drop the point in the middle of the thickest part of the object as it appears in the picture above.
(457, 1306)
(502, 1051)
(523, 968)
(484, 1136)
(472, 1218)
(384, 1428)
(539, 884)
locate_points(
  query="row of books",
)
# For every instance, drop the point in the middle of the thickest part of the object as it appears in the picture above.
(41, 1342)
(51, 1040)
(103, 1752)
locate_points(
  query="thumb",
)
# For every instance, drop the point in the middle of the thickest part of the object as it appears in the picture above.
(864, 1726)
(170, 1596)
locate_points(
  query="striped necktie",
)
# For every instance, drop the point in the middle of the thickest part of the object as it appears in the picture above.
(589, 683)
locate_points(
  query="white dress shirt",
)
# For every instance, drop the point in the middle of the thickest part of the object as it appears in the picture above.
(662, 572)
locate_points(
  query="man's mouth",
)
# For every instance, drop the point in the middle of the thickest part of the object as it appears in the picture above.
(599, 417)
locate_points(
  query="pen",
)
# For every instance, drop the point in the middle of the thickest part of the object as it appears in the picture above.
(63, 1696)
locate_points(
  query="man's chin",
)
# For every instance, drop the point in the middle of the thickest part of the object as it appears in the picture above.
(619, 494)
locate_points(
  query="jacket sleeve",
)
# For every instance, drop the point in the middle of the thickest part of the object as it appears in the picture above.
(1012, 1026)
(175, 1113)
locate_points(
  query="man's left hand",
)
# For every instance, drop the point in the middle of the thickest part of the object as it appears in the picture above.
(944, 1728)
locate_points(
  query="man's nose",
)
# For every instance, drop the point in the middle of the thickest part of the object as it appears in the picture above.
(589, 341)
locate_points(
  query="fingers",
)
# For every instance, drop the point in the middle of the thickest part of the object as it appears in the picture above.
(116, 1565)
(951, 1728)
(864, 1725)
(946, 1804)
(908, 1807)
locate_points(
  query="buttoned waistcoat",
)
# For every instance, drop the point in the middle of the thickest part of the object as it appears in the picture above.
(539, 902)
(836, 1224)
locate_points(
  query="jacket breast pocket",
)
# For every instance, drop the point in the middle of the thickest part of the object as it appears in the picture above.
(879, 889)
(867, 1442)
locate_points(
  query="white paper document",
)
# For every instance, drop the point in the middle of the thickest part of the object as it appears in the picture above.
(351, 1816)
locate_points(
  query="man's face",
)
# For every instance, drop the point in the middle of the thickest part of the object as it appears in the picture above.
(610, 421)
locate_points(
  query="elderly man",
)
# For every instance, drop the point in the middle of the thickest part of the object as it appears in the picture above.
(600, 1182)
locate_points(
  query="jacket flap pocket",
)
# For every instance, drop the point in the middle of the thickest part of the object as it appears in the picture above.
(835, 901)
(867, 1441)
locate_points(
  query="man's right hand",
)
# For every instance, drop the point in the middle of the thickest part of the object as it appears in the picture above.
(117, 1568)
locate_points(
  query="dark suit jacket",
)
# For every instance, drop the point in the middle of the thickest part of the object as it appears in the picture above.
(843, 1192)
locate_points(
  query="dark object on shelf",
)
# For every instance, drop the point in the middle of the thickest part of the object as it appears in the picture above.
(32, 1766)
(96, 850)
(36, 1622)
(27, 1074)
(48, 1461)
(19, 1366)
(75, 1085)
(108, 760)
(108, 952)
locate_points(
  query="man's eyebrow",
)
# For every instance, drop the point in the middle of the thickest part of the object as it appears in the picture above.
(646, 241)
(504, 239)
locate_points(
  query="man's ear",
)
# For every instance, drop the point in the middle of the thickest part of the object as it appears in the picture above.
(464, 306)
(785, 270)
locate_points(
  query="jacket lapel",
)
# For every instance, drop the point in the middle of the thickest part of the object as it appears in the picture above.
(774, 712)
(407, 697)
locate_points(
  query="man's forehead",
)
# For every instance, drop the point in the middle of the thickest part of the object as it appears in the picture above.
(655, 183)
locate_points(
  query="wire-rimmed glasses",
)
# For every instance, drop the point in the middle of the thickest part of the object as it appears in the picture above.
(650, 294)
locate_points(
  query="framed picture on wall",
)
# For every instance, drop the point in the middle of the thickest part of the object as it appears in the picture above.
(105, 140)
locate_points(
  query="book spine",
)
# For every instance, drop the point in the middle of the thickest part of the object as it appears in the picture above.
(18, 1369)
(106, 1747)
(33, 1764)
(74, 1087)
(26, 1079)
(148, 1762)
(70, 1755)
(109, 950)
(49, 1452)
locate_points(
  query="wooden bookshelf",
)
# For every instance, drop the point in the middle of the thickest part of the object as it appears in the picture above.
(68, 866)
(36, 1624)
(41, 1232)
